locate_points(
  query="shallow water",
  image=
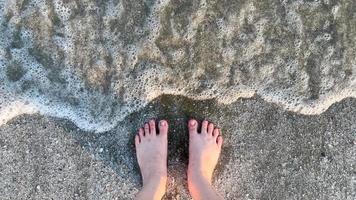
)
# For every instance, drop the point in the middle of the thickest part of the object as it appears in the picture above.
(96, 62)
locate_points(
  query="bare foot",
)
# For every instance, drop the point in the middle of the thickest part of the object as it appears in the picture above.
(151, 152)
(204, 152)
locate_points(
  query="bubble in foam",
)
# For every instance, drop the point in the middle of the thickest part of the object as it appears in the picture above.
(63, 11)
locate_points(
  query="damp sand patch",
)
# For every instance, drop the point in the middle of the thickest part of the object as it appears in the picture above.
(95, 63)
(268, 152)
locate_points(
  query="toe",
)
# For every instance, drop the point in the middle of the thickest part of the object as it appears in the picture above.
(204, 127)
(210, 129)
(216, 133)
(192, 125)
(163, 127)
(152, 124)
(137, 140)
(219, 141)
(141, 133)
(147, 130)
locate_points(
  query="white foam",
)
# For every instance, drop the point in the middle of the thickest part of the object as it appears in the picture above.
(63, 11)
(138, 71)
(15, 108)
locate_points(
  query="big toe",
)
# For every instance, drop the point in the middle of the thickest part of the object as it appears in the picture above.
(163, 127)
(193, 126)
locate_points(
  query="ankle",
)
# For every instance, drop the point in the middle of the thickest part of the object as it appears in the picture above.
(200, 187)
(155, 180)
(197, 174)
(154, 187)
(195, 179)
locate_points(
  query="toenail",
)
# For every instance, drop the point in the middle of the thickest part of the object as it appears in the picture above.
(192, 123)
(162, 123)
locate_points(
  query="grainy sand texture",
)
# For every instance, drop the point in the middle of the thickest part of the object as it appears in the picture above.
(79, 77)
(268, 153)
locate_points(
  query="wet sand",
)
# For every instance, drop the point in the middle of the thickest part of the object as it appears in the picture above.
(268, 153)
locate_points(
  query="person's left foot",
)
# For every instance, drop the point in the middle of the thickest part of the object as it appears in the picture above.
(151, 152)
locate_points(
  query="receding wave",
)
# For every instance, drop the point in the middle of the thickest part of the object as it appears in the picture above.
(95, 62)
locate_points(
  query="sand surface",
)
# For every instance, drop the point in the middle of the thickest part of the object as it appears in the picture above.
(79, 77)
(96, 62)
(268, 153)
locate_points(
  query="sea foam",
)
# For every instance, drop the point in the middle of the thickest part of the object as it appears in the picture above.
(95, 62)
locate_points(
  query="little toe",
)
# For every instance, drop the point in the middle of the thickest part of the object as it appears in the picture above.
(204, 127)
(147, 129)
(216, 133)
(210, 129)
(193, 126)
(152, 124)
(141, 133)
(137, 140)
(163, 127)
(219, 141)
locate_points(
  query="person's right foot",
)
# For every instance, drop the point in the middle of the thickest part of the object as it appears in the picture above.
(204, 150)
